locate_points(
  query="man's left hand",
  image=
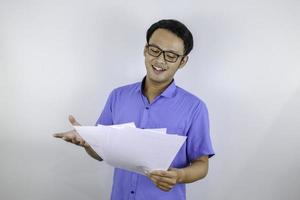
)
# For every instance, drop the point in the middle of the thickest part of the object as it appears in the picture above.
(165, 180)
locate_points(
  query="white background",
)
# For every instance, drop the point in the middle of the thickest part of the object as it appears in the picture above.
(64, 57)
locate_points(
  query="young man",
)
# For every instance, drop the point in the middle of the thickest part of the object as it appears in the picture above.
(156, 102)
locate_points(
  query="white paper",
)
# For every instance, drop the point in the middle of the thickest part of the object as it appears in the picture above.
(131, 148)
(120, 126)
(158, 130)
(131, 124)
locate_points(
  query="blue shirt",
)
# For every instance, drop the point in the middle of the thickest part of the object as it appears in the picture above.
(175, 109)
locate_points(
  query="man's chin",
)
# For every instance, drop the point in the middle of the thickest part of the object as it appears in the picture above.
(158, 80)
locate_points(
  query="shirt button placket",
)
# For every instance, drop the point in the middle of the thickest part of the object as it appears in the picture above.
(134, 179)
(145, 117)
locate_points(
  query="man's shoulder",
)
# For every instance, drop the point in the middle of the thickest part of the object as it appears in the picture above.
(189, 97)
(126, 89)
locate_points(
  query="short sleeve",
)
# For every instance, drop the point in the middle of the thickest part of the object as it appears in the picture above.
(106, 117)
(198, 140)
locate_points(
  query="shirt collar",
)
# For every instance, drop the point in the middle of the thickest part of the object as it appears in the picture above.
(168, 92)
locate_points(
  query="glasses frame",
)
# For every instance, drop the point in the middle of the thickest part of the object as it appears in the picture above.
(162, 51)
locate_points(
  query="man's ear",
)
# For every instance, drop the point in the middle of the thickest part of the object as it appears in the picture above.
(183, 61)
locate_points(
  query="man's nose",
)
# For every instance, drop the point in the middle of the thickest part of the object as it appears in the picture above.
(161, 58)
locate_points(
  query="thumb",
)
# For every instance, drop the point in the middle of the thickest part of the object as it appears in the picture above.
(73, 121)
(172, 169)
(58, 135)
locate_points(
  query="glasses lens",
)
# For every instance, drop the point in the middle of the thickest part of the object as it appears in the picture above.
(154, 51)
(171, 57)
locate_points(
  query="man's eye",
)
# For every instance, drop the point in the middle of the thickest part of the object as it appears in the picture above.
(171, 56)
(155, 50)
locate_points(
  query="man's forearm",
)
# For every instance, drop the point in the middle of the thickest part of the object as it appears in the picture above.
(92, 153)
(196, 171)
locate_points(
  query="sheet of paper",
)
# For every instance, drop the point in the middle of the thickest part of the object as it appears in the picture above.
(131, 124)
(142, 150)
(158, 130)
(120, 126)
(131, 148)
(94, 138)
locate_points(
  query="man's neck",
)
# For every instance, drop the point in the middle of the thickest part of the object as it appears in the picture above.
(152, 89)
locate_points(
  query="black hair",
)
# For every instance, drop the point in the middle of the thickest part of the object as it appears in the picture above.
(175, 27)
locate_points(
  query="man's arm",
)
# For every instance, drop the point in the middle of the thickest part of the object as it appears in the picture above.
(165, 180)
(196, 171)
(73, 137)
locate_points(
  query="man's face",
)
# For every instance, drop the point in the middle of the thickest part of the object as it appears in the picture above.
(158, 69)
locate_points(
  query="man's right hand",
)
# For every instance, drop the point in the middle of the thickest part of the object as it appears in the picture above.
(72, 136)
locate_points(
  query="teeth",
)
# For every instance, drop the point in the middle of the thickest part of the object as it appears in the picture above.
(158, 69)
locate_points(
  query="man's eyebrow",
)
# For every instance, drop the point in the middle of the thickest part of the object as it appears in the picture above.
(172, 51)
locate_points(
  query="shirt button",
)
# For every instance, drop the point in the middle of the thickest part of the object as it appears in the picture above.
(147, 108)
(132, 192)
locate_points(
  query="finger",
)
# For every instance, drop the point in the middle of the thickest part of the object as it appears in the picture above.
(75, 141)
(65, 134)
(164, 188)
(86, 145)
(82, 142)
(162, 185)
(73, 121)
(166, 185)
(157, 184)
(58, 135)
(160, 179)
(158, 173)
(161, 173)
(153, 179)
(169, 181)
(66, 139)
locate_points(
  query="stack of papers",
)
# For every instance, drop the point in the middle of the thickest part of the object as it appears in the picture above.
(127, 147)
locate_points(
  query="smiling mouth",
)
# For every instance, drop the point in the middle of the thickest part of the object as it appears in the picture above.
(158, 69)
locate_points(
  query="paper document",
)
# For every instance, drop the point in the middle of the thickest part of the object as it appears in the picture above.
(134, 149)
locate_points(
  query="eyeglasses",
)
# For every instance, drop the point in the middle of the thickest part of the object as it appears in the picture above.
(169, 56)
